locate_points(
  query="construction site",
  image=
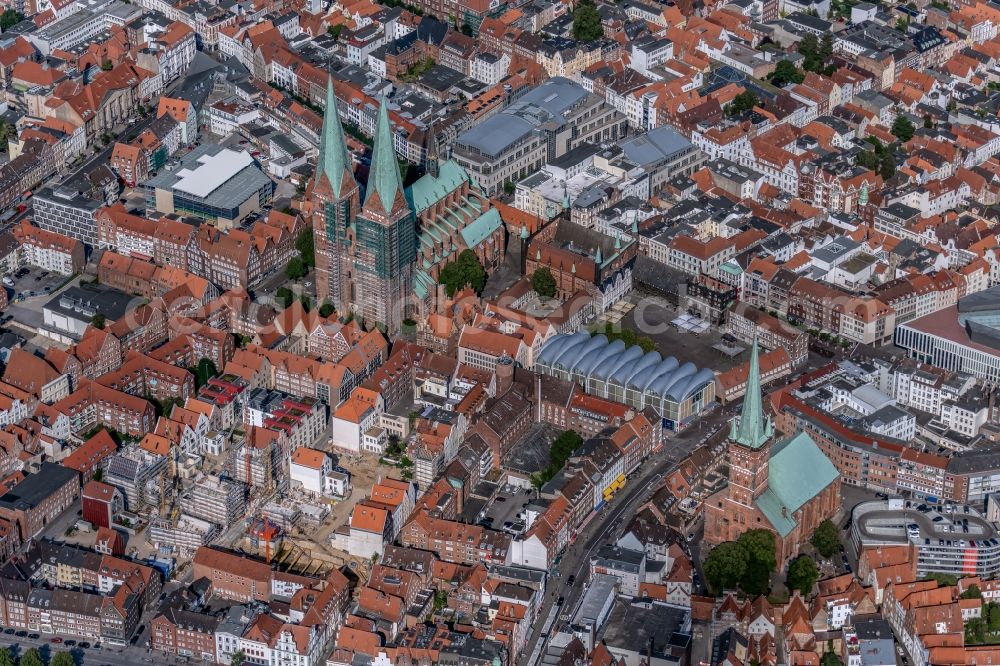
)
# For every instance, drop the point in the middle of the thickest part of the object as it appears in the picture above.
(244, 501)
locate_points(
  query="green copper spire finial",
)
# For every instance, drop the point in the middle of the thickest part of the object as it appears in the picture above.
(384, 176)
(600, 256)
(334, 159)
(754, 429)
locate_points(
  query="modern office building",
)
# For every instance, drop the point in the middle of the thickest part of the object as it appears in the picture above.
(678, 393)
(65, 211)
(963, 338)
(216, 184)
(949, 538)
(544, 124)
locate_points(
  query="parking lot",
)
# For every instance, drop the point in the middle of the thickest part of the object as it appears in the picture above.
(501, 514)
(29, 282)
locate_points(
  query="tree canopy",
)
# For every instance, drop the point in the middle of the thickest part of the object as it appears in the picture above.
(726, 565)
(62, 659)
(464, 270)
(9, 19)
(746, 563)
(326, 310)
(972, 592)
(561, 449)
(307, 250)
(204, 371)
(825, 539)
(902, 128)
(587, 22)
(786, 72)
(284, 296)
(543, 283)
(802, 575)
(31, 657)
(745, 101)
(295, 269)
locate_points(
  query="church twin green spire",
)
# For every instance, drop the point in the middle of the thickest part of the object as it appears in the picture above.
(753, 429)
(383, 177)
(334, 160)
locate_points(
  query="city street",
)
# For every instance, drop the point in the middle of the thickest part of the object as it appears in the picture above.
(111, 656)
(603, 528)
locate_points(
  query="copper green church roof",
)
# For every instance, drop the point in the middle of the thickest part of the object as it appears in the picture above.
(797, 472)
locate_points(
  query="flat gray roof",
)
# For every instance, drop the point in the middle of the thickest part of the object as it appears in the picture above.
(655, 146)
(220, 177)
(548, 102)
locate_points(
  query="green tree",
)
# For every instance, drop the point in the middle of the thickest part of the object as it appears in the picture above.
(760, 547)
(6, 658)
(887, 167)
(326, 310)
(809, 48)
(802, 575)
(307, 250)
(98, 320)
(646, 344)
(826, 539)
(725, 566)
(902, 128)
(204, 371)
(335, 30)
(587, 22)
(629, 337)
(107, 65)
(928, 122)
(295, 269)
(464, 270)
(786, 72)
(975, 631)
(509, 187)
(830, 658)
(993, 617)
(943, 579)
(971, 592)
(867, 159)
(284, 296)
(238, 658)
(560, 450)
(745, 101)
(7, 132)
(31, 657)
(9, 19)
(62, 659)
(826, 46)
(543, 283)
